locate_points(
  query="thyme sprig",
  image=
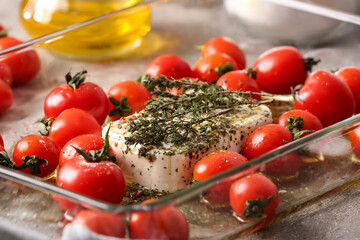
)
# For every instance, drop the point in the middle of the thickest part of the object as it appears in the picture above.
(191, 119)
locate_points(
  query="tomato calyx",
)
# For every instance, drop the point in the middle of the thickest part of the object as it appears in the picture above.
(221, 70)
(96, 156)
(334, 70)
(310, 62)
(33, 163)
(255, 207)
(47, 123)
(121, 107)
(5, 160)
(251, 72)
(3, 33)
(76, 80)
(294, 125)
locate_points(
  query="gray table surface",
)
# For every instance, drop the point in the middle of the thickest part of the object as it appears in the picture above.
(334, 217)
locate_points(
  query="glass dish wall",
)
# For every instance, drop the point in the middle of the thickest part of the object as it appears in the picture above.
(176, 29)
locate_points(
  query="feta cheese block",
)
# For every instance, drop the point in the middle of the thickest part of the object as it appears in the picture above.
(170, 167)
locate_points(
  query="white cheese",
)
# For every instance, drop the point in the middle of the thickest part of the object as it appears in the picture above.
(173, 172)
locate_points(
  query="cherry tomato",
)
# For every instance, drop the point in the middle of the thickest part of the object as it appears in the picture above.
(309, 121)
(71, 123)
(240, 80)
(226, 46)
(171, 66)
(165, 223)
(137, 95)
(267, 138)
(77, 94)
(34, 148)
(100, 222)
(254, 196)
(216, 163)
(6, 97)
(1, 141)
(281, 68)
(354, 137)
(102, 180)
(327, 97)
(285, 167)
(5, 73)
(210, 67)
(24, 65)
(351, 76)
(87, 142)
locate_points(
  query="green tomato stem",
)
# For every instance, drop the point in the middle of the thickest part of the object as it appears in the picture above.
(76, 80)
(96, 156)
(121, 107)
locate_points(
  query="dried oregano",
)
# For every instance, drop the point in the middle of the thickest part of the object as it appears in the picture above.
(191, 121)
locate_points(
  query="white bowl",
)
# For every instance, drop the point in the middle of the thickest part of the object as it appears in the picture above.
(285, 25)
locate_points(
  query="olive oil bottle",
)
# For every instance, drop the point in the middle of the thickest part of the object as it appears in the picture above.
(107, 39)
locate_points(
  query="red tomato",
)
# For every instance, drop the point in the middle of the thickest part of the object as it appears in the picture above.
(354, 137)
(351, 76)
(216, 163)
(281, 68)
(71, 123)
(40, 147)
(226, 46)
(88, 142)
(102, 180)
(239, 80)
(254, 196)
(327, 97)
(77, 94)
(5, 73)
(267, 138)
(210, 67)
(100, 222)
(171, 66)
(137, 95)
(285, 167)
(24, 65)
(165, 223)
(309, 120)
(1, 141)
(6, 97)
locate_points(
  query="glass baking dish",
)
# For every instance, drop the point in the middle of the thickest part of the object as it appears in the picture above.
(28, 201)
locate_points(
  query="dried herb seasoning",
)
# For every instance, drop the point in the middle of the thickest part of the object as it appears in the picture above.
(192, 121)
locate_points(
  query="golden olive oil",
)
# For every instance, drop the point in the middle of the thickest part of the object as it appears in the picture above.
(109, 38)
